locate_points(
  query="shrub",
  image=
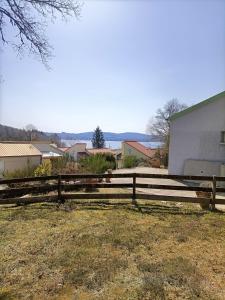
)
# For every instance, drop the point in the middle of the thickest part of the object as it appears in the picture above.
(110, 158)
(45, 169)
(130, 161)
(142, 162)
(96, 164)
(60, 164)
(70, 168)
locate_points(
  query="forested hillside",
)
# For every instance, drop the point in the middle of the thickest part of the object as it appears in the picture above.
(8, 133)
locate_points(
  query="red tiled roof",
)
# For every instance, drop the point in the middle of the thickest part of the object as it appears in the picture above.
(99, 150)
(141, 148)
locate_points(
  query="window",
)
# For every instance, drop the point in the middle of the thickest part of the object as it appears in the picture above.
(222, 137)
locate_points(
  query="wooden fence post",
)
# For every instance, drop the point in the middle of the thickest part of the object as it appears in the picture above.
(213, 206)
(134, 189)
(59, 189)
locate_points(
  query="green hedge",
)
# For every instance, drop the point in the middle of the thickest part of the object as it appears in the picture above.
(96, 164)
(130, 161)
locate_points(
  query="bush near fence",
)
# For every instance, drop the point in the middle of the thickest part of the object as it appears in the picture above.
(130, 161)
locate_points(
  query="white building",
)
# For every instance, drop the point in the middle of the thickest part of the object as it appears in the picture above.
(47, 149)
(197, 140)
(77, 151)
(18, 157)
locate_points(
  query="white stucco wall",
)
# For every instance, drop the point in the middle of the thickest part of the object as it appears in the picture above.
(73, 150)
(196, 135)
(201, 167)
(11, 164)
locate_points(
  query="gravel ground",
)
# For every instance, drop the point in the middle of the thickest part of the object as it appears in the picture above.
(158, 181)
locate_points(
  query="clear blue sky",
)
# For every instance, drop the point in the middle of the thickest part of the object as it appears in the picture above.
(116, 65)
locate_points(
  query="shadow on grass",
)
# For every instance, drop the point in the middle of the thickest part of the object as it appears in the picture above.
(143, 209)
(129, 206)
(146, 210)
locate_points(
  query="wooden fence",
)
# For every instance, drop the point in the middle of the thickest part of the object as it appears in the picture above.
(37, 189)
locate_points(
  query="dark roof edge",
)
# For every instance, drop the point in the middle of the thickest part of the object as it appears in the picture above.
(198, 105)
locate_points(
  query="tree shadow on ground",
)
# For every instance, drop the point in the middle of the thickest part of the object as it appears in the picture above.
(154, 209)
(146, 209)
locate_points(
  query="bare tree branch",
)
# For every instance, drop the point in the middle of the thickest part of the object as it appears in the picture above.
(160, 124)
(28, 19)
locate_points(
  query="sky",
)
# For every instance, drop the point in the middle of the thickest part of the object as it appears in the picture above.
(116, 65)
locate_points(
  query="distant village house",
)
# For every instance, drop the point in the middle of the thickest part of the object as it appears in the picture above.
(77, 151)
(18, 156)
(138, 150)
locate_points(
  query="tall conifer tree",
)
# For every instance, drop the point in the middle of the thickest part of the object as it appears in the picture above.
(98, 140)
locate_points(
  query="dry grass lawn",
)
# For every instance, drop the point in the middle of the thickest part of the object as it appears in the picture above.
(111, 252)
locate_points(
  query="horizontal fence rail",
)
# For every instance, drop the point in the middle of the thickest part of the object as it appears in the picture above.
(28, 179)
(36, 188)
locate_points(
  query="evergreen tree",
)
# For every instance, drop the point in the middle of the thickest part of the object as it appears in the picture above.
(98, 140)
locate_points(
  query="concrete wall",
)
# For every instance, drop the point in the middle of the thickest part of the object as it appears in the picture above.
(18, 163)
(75, 149)
(196, 135)
(128, 150)
(201, 167)
(119, 163)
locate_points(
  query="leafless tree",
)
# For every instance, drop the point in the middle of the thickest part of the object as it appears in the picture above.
(29, 20)
(31, 131)
(160, 124)
(30, 127)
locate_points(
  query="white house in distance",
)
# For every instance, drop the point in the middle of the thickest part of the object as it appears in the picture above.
(47, 148)
(77, 151)
(197, 140)
(18, 156)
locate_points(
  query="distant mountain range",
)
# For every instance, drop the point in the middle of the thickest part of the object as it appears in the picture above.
(109, 136)
(8, 133)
